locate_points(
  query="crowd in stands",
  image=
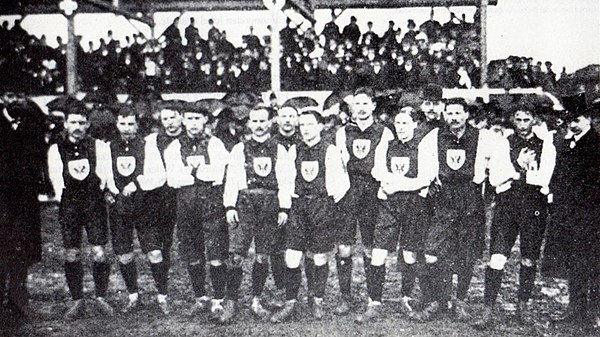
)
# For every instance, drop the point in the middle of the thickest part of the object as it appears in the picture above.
(336, 59)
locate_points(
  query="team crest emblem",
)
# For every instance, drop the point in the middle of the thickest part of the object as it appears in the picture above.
(126, 165)
(310, 170)
(400, 165)
(361, 148)
(195, 161)
(79, 169)
(262, 166)
(455, 158)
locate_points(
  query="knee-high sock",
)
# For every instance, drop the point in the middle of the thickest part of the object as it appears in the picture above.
(434, 283)
(218, 277)
(320, 283)
(408, 278)
(260, 272)
(234, 282)
(278, 269)
(344, 270)
(3, 280)
(130, 275)
(445, 284)
(493, 282)
(377, 281)
(74, 276)
(367, 268)
(526, 282)
(101, 273)
(309, 270)
(294, 278)
(464, 282)
(17, 287)
(160, 273)
(197, 274)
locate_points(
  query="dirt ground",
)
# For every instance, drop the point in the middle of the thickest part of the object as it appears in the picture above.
(49, 294)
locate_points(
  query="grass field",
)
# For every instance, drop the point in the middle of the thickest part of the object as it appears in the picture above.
(49, 295)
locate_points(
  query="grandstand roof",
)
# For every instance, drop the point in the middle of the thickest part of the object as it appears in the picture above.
(146, 6)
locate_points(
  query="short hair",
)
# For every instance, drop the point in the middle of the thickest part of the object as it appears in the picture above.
(415, 114)
(126, 111)
(315, 113)
(523, 106)
(364, 90)
(456, 100)
(77, 108)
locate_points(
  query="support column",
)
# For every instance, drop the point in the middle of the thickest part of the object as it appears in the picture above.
(275, 49)
(71, 56)
(483, 41)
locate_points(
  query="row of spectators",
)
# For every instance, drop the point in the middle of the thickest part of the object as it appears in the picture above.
(336, 59)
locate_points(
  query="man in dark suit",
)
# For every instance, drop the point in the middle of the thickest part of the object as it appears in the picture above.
(22, 163)
(573, 236)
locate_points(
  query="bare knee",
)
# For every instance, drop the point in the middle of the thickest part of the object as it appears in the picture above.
(155, 256)
(430, 259)
(378, 257)
(344, 251)
(497, 261)
(528, 262)
(126, 258)
(293, 258)
(409, 257)
(215, 263)
(98, 254)
(321, 259)
(73, 255)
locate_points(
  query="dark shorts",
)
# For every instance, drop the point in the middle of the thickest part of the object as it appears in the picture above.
(519, 211)
(310, 227)
(456, 231)
(129, 214)
(358, 208)
(83, 210)
(258, 210)
(402, 214)
(196, 206)
(161, 208)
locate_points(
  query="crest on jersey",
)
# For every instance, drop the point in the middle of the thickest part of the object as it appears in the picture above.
(125, 165)
(310, 170)
(195, 161)
(455, 158)
(400, 165)
(79, 169)
(262, 166)
(361, 148)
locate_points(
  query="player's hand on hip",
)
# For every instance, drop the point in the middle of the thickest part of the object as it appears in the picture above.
(232, 217)
(129, 189)
(109, 198)
(282, 218)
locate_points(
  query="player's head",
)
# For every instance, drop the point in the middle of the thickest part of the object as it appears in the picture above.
(405, 121)
(194, 120)
(455, 113)
(171, 121)
(432, 105)
(259, 121)
(127, 123)
(523, 119)
(363, 104)
(76, 121)
(287, 120)
(311, 125)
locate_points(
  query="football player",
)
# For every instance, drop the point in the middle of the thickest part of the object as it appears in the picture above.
(257, 197)
(135, 169)
(521, 207)
(357, 141)
(195, 164)
(404, 175)
(320, 181)
(78, 168)
(455, 237)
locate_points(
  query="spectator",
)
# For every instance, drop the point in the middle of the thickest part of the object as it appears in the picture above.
(331, 31)
(351, 31)
(191, 33)
(370, 38)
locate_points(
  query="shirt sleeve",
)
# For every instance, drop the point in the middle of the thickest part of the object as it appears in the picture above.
(236, 176)
(340, 142)
(55, 171)
(104, 167)
(285, 174)
(178, 174)
(500, 167)
(154, 175)
(337, 181)
(542, 176)
(219, 158)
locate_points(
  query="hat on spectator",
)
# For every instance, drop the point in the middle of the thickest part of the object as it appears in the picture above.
(60, 103)
(432, 92)
(575, 106)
